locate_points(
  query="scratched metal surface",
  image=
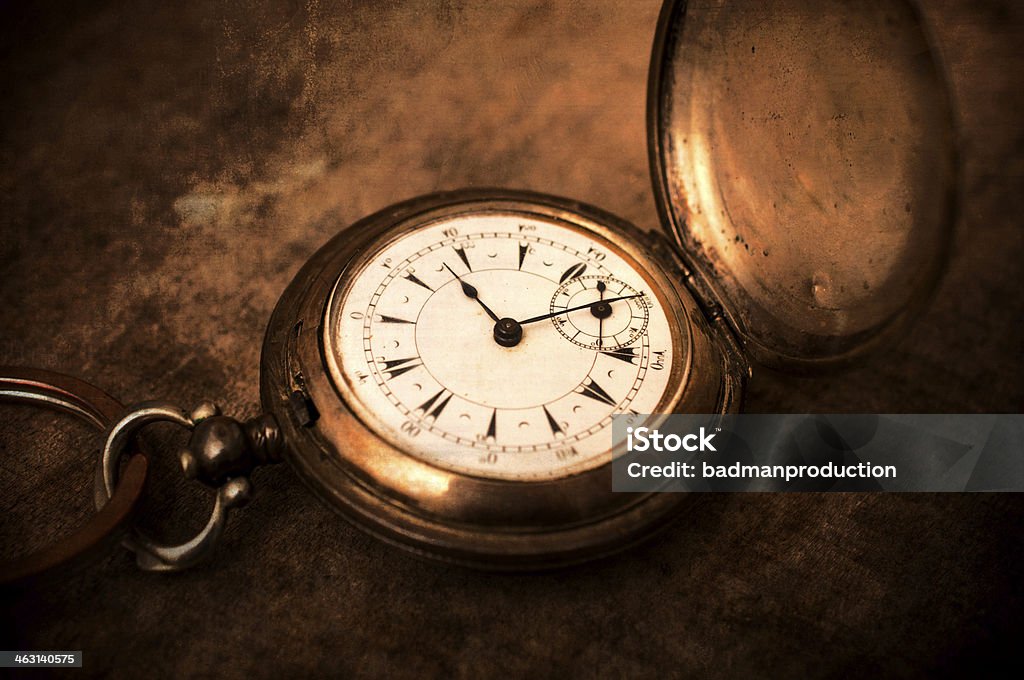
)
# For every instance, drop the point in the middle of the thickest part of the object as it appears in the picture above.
(166, 168)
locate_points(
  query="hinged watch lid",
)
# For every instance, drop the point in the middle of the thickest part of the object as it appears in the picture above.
(804, 158)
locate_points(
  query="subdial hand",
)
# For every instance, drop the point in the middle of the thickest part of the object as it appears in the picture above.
(596, 305)
(472, 294)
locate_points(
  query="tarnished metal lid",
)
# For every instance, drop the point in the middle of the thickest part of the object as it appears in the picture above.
(804, 158)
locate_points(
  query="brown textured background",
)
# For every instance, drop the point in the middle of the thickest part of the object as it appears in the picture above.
(166, 168)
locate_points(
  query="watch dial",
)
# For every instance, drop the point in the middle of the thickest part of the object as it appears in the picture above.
(500, 344)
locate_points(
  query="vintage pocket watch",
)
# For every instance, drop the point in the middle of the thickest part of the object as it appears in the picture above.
(445, 371)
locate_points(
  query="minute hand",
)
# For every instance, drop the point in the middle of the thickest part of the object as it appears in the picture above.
(576, 309)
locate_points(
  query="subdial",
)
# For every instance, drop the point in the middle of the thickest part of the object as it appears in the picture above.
(602, 326)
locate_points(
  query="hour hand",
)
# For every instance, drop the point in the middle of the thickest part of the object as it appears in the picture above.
(472, 293)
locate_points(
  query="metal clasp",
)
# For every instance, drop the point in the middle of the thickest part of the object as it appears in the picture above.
(221, 453)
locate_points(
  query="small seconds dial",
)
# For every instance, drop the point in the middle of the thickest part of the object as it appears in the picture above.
(499, 344)
(613, 315)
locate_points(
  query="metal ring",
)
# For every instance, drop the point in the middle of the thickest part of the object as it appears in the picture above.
(152, 555)
(114, 518)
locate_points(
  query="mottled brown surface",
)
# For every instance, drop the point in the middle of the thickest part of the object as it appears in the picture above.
(166, 169)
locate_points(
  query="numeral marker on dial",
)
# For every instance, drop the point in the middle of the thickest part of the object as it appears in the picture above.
(572, 272)
(384, 318)
(492, 428)
(591, 389)
(432, 411)
(627, 354)
(552, 423)
(397, 367)
(412, 277)
(461, 252)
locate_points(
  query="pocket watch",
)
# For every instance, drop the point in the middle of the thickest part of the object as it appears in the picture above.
(445, 372)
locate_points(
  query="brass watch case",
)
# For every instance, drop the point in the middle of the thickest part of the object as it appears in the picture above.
(455, 516)
(804, 165)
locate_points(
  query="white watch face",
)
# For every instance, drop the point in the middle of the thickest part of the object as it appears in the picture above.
(500, 344)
